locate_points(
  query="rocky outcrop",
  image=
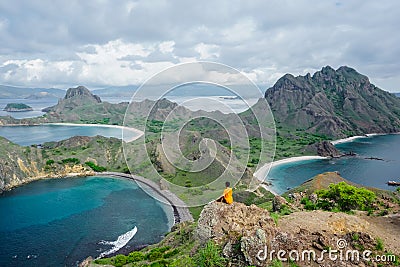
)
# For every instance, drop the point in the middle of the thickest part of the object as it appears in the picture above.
(20, 165)
(278, 203)
(81, 91)
(221, 222)
(75, 97)
(335, 103)
(248, 234)
(325, 149)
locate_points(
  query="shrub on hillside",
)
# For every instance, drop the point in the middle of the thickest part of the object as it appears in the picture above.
(71, 160)
(345, 197)
(95, 167)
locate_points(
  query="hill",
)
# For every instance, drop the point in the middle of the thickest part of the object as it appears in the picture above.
(234, 235)
(75, 97)
(19, 165)
(335, 103)
(323, 180)
(80, 105)
(31, 93)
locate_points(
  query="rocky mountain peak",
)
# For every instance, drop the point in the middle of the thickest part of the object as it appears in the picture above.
(81, 91)
(327, 70)
(343, 74)
(75, 97)
(290, 82)
(335, 103)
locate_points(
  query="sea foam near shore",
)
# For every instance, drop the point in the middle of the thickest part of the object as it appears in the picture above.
(121, 241)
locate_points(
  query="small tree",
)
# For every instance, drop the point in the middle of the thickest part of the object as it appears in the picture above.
(347, 197)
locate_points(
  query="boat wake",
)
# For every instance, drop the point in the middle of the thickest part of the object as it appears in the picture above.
(119, 243)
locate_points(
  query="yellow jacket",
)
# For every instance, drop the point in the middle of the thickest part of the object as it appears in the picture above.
(228, 195)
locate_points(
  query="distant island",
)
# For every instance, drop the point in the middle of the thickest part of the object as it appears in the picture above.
(17, 107)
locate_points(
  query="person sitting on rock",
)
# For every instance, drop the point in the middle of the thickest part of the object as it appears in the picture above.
(227, 195)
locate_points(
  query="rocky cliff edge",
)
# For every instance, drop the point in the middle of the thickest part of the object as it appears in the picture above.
(248, 234)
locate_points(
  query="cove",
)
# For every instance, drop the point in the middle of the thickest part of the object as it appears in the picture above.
(358, 169)
(60, 222)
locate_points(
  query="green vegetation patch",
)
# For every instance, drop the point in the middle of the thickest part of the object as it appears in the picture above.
(209, 256)
(345, 197)
(71, 160)
(95, 167)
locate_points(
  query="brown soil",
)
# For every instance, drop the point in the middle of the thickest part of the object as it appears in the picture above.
(386, 228)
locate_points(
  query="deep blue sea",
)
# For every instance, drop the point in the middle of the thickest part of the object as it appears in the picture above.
(357, 169)
(61, 221)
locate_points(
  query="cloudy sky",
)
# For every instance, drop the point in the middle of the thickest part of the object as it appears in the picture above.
(104, 43)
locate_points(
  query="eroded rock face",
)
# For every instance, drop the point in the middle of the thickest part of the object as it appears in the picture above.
(221, 222)
(326, 149)
(81, 91)
(248, 235)
(333, 102)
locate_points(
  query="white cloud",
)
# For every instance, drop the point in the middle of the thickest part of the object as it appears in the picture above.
(241, 31)
(122, 42)
(207, 51)
(114, 51)
(167, 47)
(130, 6)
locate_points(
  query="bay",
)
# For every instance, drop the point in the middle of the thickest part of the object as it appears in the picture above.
(59, 222)
(36, 104)
(358, 169)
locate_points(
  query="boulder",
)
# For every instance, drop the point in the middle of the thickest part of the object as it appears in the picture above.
(222, 222)
(278, 203)
(326, 149)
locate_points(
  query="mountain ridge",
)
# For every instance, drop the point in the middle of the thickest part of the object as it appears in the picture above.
(336, 103)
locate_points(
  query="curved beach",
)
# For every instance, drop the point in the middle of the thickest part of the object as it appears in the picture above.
(261, 173)
(137, 132)
(180, 209)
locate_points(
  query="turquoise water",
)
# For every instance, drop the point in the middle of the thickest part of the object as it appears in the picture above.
(28, 135)
(357, 169)
(59, 222)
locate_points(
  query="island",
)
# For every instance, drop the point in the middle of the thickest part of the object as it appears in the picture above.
(17, 107)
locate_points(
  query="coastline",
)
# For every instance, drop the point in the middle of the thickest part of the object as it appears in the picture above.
(261, 172)
(352, 138)
(138, 132)
(180, 210)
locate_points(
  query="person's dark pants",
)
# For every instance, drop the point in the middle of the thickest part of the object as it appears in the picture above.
(222, 199)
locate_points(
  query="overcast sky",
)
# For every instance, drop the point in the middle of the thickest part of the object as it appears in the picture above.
(102, 43)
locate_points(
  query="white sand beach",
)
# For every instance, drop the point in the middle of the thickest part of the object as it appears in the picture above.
(350, 139)
(261, 173)
(138, 133)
